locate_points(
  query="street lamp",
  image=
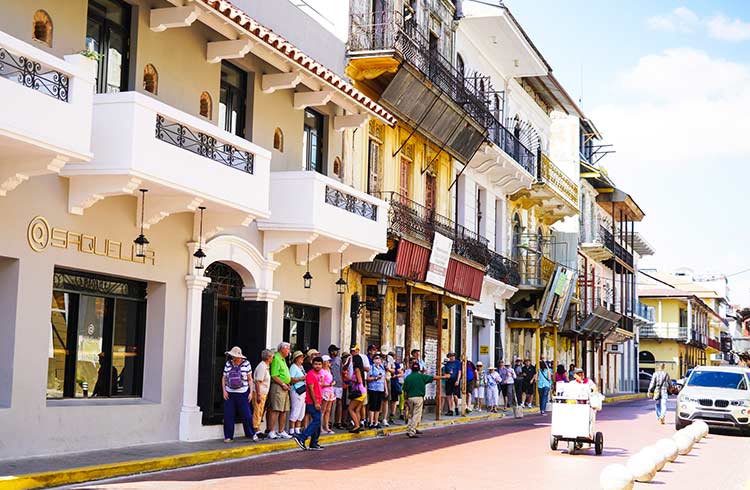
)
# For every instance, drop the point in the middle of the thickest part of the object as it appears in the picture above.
(308, 277)
(141, 242)
(200, 254)
(357, 305)
(341, 283)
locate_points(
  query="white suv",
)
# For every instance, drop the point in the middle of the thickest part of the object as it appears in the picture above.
(718, 395)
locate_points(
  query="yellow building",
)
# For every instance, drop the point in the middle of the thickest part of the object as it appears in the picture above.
(680, 334)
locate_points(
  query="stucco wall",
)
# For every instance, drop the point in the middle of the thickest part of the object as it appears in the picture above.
(68, 20)
(86, 424)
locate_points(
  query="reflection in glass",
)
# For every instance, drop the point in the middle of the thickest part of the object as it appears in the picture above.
(57, 344)
(126, 354)
(89, 342)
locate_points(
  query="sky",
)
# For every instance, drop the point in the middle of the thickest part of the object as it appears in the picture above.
(668, 84)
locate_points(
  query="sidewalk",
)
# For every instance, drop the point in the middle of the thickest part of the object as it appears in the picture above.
(96, 465)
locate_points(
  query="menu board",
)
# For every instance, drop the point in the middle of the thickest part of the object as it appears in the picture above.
(430, 358)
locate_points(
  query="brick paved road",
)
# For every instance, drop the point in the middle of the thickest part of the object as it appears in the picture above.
(505, 454)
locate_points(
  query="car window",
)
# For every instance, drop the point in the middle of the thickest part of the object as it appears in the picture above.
(717, 379)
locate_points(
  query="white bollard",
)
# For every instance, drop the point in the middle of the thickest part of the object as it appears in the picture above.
(668, 447)
(703, 426)
(642, 466)
(694, 431)
(684, 442)
(616, 477)
(656, 455)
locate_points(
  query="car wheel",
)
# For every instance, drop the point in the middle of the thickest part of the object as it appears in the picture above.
(553, 443)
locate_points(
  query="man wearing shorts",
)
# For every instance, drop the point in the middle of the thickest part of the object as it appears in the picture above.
(375, 390)
(278, 395)
(453, 384)
(338, 387)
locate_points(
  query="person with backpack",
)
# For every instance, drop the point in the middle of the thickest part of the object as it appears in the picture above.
(236, 388)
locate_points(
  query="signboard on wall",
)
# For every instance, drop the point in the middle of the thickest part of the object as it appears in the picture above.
(430, 359)
(439, 258)
(557, 295)
(484, 349)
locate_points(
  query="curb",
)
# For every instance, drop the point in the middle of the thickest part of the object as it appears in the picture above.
(624, 398)
(128, 468)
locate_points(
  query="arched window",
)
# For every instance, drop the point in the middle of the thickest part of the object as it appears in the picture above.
(338, 169)
(224, 280)
(278, 140)
(42, 28)
(646, 357)
(150, 79)
(206, 105)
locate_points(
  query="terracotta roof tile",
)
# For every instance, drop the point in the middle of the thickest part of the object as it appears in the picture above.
(289, 50)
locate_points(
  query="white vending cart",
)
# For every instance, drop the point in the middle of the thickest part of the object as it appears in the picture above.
(574, 418)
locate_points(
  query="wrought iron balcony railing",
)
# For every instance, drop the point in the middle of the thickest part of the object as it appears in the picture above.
(34, 75)
(202, 144)
(502, 137)
(609, 241)
(353, 204)
(388, 31)
(406, 217)
(533, 255)
(550, 174)
(504, 270)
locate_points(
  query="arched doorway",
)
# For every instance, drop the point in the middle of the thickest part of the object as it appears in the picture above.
(226, 320)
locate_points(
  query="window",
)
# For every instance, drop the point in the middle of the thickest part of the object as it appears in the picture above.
(480, 203)
(108, 34)
(97, 336)
(42, 28)
(429, 192)
(373, 165)
(232, 99)
(374, 317)
(313, 139)
(150, 79)
(278, 140)
(301, 326)
(206, 105)
(515, 251)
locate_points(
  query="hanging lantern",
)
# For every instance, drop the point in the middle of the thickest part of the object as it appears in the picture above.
(141, 243)
(308, 277)
(199, 254)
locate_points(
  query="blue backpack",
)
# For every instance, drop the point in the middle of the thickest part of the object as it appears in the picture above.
(234, 377)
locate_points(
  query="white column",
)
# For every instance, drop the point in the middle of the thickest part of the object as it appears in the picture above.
(689, 319)
(190, 413)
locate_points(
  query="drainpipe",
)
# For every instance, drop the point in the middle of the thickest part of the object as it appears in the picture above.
(459, 10)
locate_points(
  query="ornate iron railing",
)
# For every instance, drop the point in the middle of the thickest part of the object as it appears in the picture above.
(503, 269)
(353, 204)
(410, 218)
(533, 255)
(389, 31)
(551, 174)
(611, 244)
(202, 144)
(502, 137)
(34, 75)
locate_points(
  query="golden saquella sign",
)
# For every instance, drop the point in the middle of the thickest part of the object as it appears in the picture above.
(41, 235)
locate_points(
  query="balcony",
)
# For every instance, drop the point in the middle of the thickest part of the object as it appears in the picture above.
(504, 270)
(714, 344)
(553, 190)
(644, 315)
(420, 85)
(46, 116)
(183, 160)
(664, 331)
(534, 255)
(411, 219)
(614, 246)
(308, 207)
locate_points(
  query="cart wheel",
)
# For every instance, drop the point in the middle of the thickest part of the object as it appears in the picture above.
(599, 443)
(553, 443)
(571, 447)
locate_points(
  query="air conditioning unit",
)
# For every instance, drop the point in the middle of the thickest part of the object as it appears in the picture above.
(716, 357)
(614, 348)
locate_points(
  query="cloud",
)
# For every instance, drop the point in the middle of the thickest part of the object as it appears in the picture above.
(681, 19)
(677, 106)
(726, 29)
(684, 20)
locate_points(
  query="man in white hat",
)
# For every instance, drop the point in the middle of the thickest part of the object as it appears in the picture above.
(235, 386)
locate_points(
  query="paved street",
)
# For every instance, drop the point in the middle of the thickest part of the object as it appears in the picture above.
(498, 454)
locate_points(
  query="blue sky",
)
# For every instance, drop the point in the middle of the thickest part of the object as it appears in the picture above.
(668, 83)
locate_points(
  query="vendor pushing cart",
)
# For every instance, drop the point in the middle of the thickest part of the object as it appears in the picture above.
(574, 408)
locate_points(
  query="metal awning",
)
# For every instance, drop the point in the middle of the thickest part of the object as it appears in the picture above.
(375, 268)
(601, 322)
(425, 107)
(619, 336)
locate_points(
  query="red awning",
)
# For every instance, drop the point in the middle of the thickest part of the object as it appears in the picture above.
(464, 280)
(412, 260)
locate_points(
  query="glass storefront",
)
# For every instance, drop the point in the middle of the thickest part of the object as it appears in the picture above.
(301, 326)
(97, 329)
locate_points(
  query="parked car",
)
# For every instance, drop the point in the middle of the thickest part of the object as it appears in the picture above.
(644, 380)
(718, 395)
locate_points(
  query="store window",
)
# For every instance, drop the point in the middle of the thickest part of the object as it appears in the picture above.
(108, 35)
(97, 335)
(301, 326)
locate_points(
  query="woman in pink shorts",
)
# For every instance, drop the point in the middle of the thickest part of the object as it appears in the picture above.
(329, 397)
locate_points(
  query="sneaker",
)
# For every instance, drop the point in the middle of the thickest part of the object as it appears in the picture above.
(419, 432)
(300, 443)
(228, 440)
(412, 436)
(273, 435)
(255, 438)
(315, 448)
(330, 432)
(377, 426)
(284, 435)
(385, 423)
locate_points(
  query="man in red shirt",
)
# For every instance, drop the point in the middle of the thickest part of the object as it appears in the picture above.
(313, 400)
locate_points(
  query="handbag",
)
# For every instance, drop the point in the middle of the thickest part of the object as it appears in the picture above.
(301, 390)
(354, 393)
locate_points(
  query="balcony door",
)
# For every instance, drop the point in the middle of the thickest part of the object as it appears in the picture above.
(108, 35)
(232, 99)
(429, 193)
(313, 141)
(405, 177)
